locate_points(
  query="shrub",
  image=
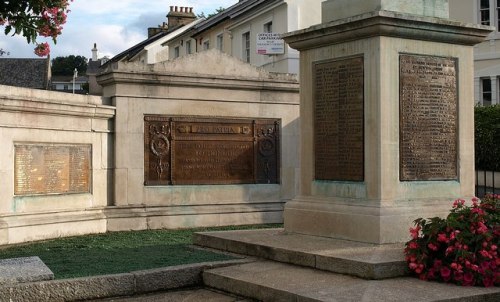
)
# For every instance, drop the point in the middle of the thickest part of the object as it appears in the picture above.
(460, 249)
(487, 137)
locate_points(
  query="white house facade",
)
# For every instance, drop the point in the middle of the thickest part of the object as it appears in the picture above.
(486, 54)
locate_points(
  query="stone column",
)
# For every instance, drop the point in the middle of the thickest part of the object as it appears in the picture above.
(386, 118)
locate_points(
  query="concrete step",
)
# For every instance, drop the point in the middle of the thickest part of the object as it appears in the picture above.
(274, 281)
(364, 260)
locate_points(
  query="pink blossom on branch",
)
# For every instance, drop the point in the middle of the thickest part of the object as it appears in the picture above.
(42, 49)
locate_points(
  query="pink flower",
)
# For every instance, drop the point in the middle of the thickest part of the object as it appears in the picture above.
(42, 49)
(438, 263)
(458, 203)
(433, 247)
(484, 253)
(445, 273)
(413, 245)
(468, 279)
(488, 282)
(414, 232)
(413, 265)
(442, 237)
(493, 247)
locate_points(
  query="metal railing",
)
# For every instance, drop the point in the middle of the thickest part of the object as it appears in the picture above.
(487, 182)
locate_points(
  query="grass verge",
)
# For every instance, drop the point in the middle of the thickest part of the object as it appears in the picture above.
(119, 252)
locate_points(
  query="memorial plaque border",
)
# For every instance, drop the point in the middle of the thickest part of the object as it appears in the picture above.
(162, 133)
(89, 175)
(455, 177)
(360, 175)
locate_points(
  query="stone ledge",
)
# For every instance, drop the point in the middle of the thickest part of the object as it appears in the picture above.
(364, 260)
(97, 287)
(26, 269)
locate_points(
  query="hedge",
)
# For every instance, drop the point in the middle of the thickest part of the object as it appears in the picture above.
(487, 137)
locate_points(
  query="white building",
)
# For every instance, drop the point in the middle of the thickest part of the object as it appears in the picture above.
(235, 31)
(486, 54)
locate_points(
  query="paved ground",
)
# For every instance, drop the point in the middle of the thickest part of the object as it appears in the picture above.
(193, 295)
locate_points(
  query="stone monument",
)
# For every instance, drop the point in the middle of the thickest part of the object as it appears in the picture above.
(387, 120)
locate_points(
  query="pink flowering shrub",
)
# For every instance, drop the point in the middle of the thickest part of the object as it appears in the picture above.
(461, 249)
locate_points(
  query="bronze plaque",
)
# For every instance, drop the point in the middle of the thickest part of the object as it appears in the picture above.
(428, 118)
(339, 120)
(52, 169)
(198, 150)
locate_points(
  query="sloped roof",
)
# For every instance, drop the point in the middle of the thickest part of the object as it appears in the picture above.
(134, 50)
(229, 13)
(29, 73)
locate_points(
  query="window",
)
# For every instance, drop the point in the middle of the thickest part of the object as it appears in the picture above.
(176, 52)
(484, 12)
(220, 41)
(268, 27)
(246, 47)
(498, 14)
(66, 87)
(206, 45)
(486, 91)
(188, 47)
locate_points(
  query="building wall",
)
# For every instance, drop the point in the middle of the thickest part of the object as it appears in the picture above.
(486, 54)
(226, 87)
(36, 117)
(285, 16)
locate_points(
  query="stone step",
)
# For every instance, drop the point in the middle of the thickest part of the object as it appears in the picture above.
(364, 260)
(274, 281)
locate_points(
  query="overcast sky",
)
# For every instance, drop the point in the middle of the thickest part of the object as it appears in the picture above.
(114, 25)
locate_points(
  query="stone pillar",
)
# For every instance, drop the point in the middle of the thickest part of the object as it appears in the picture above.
(386, 118)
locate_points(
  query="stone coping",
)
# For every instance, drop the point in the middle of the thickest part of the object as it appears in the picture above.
(389, 24)
(116, 285)
(25, 269)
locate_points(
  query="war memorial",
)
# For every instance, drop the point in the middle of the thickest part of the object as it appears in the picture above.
(381, 133)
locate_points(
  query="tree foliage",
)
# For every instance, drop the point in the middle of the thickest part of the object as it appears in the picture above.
(65, 66)
(487, 137)
(4, 52)
(33, 18)
(217, 11)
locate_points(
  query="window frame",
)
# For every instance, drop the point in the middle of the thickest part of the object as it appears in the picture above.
(246, 46)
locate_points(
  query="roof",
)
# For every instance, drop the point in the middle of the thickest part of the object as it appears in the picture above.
(94, 67)
(134, 50)
(29, 73)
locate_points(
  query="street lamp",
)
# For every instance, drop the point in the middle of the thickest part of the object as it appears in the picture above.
(75, 74)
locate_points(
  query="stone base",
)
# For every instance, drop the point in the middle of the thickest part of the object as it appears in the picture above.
(378, 222)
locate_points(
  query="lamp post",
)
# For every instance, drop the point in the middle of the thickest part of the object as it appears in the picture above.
(75, 74)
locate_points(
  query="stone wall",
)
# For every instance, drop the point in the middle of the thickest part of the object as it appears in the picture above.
(35, 204)
(206, 84)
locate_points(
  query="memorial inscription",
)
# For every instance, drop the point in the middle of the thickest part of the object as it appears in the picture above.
(52, 169)
(196, 151)
(339, 120)
(428, 118)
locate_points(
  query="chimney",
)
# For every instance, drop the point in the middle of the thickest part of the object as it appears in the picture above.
(94, 52)
(179, 16)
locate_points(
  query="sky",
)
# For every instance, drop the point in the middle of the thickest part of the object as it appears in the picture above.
(114, 25)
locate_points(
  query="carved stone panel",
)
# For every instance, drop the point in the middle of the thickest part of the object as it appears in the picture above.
(52, 169)
(339, 120)
(428, 118)
(198, 151)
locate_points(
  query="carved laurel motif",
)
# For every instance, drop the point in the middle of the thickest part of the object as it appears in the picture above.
(160, 146)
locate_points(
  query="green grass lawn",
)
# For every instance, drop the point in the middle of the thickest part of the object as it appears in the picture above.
(119, 252)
